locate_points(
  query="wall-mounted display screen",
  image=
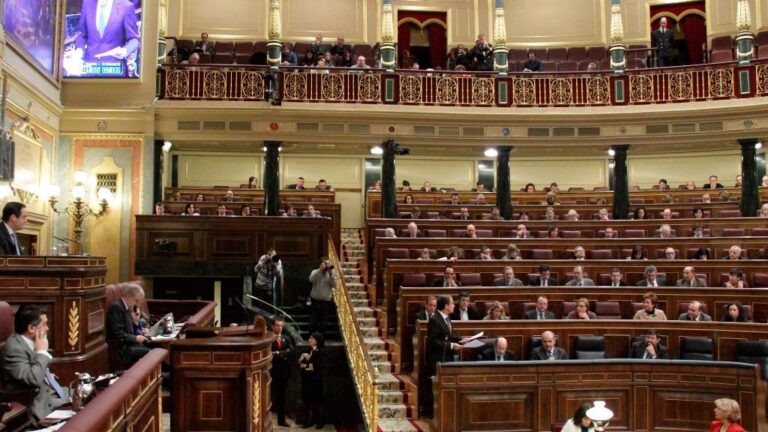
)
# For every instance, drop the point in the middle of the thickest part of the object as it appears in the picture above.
(31, 26)
(102, 39)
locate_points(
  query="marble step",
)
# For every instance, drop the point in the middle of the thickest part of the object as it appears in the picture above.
(396, 425)
(378, 355)
(391, 411)
(355, 286)
(364, 311)
(358, 294)
(391, 397)
(370, 331)
(389, 382)
(375, 344)
(350, 265)
(383, 367)
(367, 321)
(359, 303)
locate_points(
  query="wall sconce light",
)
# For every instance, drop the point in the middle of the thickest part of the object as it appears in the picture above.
(77, 208)
(600, 415)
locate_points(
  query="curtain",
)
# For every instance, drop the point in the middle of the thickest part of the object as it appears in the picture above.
(438, 45)
(695, 29)
(436, 34)
(404, 44)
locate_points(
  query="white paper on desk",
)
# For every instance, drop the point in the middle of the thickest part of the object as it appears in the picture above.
(55, 427)
(471, 338)
(60, 414)
(473, 344)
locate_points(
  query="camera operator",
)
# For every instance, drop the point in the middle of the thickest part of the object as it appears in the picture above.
(323, 281)
(482, 54)
(267, 270)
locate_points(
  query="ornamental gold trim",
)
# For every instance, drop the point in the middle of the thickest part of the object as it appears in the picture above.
(447, 90)
(214, 84)
(721, 83)
(680, 86)
(295, 86)
(762, 79)
(598, 91)
(369, 88)
(256, 401)
(560, 91)
(523, 91)
(640, 89)
(73, 328)
(483, 91)
(177, 83)
(252, 86)
(410, 89)
(332, 86)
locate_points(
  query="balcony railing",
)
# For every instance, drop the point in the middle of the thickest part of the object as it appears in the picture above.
(466, 89)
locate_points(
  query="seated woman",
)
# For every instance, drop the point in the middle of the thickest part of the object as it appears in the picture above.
(553, 187)
(425, 254)
(530, 187)
(550, 199)
(524, 216)
(703, 254)
(572, 215)
(582, 310)
(580, 422)
(727, 416)
(245, 210)
(513, 253)
(638, 253)
(389, 233)
(190, 210)
(698, 213)
(252, 182)
(376, 186)
(495, 312)
(736, 313)
(640, 214)
(408, 199)
(553, 233)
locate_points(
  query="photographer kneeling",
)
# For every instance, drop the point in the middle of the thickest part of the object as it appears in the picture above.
(323, 281)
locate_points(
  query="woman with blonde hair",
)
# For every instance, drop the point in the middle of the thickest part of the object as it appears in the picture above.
(582, 310)
(727, 416)
(495, 312)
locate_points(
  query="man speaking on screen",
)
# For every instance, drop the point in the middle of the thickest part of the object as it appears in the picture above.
(109, 34)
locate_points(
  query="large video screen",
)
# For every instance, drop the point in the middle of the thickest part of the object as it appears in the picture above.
(31, 25)
(102, 39)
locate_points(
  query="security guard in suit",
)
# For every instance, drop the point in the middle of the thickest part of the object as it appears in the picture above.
(663, 39)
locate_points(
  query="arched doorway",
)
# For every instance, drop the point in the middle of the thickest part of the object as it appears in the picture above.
(422, 38)
(690, 25)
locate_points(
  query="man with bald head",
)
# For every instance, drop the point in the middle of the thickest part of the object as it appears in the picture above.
(470, 231)
(579, 278)
(508, 278)
(413, 231)
(130, 346)
(548, 350)
(734, 253)
(689, 279)
(694, 313)
(498, 352)
(663, 39)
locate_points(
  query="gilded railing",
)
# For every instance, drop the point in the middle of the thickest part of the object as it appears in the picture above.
(362, 369)
(440, 88)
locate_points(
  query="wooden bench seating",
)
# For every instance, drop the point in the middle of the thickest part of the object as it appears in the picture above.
(217, 194)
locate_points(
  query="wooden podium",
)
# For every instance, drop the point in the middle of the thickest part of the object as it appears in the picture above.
(71, 288)
(221, 383)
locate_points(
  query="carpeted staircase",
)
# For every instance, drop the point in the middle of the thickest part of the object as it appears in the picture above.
(395, 413)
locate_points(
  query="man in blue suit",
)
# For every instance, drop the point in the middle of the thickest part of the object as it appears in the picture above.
(109, 32)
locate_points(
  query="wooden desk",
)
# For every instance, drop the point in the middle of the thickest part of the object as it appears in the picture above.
(72, 290)
(132, 403)
(646, 395)
(215, 194)
(221, 384)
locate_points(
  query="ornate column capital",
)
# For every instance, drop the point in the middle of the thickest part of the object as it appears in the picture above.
(387, 36)
(275, 28)
(743, 16)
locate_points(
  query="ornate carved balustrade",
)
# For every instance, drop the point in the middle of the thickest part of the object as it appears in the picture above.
(443, 88)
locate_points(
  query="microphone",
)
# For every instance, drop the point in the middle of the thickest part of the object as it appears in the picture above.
(285, 314)
(69, 240)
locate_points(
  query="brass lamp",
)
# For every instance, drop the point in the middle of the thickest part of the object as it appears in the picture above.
(600, 415)
(78, 209)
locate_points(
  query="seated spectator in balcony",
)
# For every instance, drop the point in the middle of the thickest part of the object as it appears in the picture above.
(322, 185)
(245, 210)
(553, 233)
(532, 64)
(321, 66)
(480, 187)
(713, 184)
(545, 278)
(458, 57)
(690, 185)
(663, 185)
(203, 45)
(665, 232)
(579, 253)
(308, 59)
(522, 232)
(736, 313)
(689, 279)
(513, 253)
(290, 211)
(549, 214)
(572, 215)
(610, 233)
(485, 253)
(481, 55)
(455, 199)
(413, 231)
(735, 279)
(508, 279)
(318, 48)
(252, 183)
(288, 57)
(617, 278)
(427, 187)
(669, 253)
(648, 349)
(524, 216)
(727, 416)
(698, 232)
(651, 278)
(194, 59)
(705, 199)
(703, 253)
(199, 197)
(649, 312)
(592, 67)
(329, 59)
(582, 311)
(415, 66)
(311, 212)
(763, 211)
(694, 313)
(579, 278)
(548, 350)
(360, 63)
(464, 310)
(221, 210)
(470, 231)
(190, 210)
(449, 278)
(430, 306)
(550, 199)
(529, 187)
(734, 253)
(415, 213)
(159, 208)
(299, 185)
(345, 60)
(541, 311)
(338, 48)
(495, 312)
(463, 214)
(639, 214)
(638, 253)
(424, 254)
(498, 352)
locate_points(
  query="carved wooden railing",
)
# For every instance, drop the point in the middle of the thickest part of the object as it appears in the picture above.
(470, 89)
(363, 371)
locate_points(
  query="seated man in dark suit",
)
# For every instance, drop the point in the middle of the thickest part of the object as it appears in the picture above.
(689, 279)
(465, 311)
(463, 214)
(544, 278)
(617, 277)
(541, 312)
(508, 279)
(26, 359)
(131, 347)
(651, 280)
(299, 185)
(14, 219)
(430, 307)
(448, 279)
(428, 187)
(694, 313)
(648, 349)
(204, 45)
(548, 350)
(497, 352)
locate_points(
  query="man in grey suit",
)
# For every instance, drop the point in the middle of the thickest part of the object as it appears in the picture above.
(509, 279)
(25, 362)
(548, 350)
(689, 279)
(541, 312)
(694, 313)
(578, 278)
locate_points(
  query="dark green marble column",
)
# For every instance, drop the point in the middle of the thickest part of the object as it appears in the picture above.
(620, 183)
(503, 199)
(388, 195)
(750, 201)
(272, 178)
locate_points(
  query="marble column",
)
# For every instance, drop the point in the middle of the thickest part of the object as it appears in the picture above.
(272, 178)
(750, 200)
(274, 50)
(617, 51)
(388, 195)
(620, 183)
(503, 198)
(500, 50)
(388, 37)
(745, 40)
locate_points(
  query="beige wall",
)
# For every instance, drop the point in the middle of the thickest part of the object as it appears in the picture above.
(679, 169)
(212, 169)
(549, 23)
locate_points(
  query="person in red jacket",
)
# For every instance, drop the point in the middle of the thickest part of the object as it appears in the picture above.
(727, 416)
